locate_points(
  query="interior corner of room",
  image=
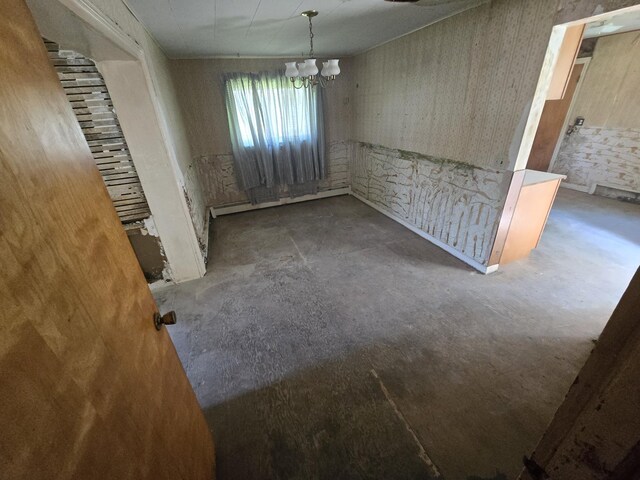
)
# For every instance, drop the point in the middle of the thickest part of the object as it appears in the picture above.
(391, 233)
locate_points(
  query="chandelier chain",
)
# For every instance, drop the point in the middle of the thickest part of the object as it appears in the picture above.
(307, 74)
(310, 39)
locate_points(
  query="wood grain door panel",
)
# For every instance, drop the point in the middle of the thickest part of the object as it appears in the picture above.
(88, 387)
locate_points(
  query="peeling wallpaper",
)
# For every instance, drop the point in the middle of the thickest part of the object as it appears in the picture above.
(194, 195)
(455, 203)
(200, 92)
(436, 114)
(221, 188)
(456, 94)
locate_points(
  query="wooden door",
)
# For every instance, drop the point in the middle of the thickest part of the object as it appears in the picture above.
(595, 434)
(88, 388)
(551, 123)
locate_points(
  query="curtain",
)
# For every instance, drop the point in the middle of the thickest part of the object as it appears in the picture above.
(277, 134)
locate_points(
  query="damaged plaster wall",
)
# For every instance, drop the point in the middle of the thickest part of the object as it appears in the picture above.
(147, 246)
(452, 94)
(606, 150)
(452, 202)
(175, 129)
(201, 97)
(218, 177)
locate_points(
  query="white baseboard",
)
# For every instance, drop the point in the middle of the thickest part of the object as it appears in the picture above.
(573, 186)
(447, 248)
(245, 207)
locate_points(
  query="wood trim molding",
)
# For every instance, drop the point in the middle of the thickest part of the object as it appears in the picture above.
(565, 61)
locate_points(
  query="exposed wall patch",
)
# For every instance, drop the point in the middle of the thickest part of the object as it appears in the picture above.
(453, 202)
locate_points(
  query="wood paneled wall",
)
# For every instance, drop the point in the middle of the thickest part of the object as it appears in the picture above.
(458, 89)
(88, 387)
(608, 97)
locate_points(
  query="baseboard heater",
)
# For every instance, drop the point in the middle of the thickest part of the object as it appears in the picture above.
(611, 191)
(245, 207)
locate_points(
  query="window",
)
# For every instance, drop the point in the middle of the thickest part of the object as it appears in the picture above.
(268, 106)
(276, 133)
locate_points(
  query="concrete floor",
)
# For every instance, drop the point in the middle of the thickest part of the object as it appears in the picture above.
(329, 342)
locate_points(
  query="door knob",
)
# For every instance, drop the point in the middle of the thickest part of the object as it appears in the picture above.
(168, 318)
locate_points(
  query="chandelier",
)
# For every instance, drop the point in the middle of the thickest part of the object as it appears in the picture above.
(305, 74)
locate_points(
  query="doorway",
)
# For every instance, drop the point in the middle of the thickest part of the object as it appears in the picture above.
(93, 108)
(598, 151)
(129, 68)
(553, 121)
(590, 135)
(582, 131)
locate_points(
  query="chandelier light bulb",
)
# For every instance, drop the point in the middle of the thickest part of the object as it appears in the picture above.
(307, 71)
(311, 68)
(291, 71)
(333, 67)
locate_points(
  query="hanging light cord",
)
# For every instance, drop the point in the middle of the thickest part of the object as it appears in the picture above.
(310, 39)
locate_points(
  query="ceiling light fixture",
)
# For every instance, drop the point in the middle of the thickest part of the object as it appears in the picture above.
(307, 72)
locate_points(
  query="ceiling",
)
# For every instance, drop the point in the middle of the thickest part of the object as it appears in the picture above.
(209, 28)
(623, 22)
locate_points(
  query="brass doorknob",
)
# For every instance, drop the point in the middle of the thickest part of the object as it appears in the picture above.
(168, 318)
